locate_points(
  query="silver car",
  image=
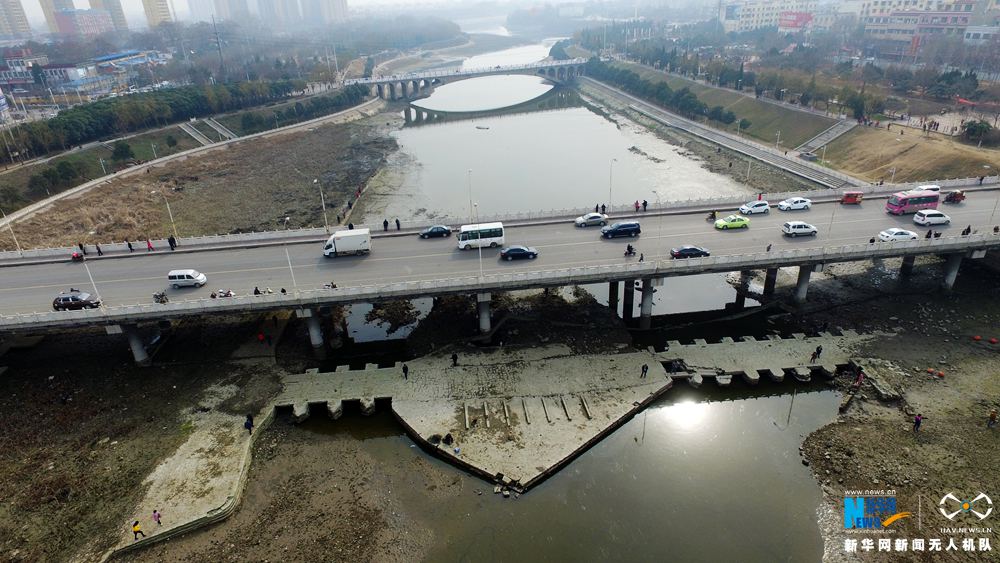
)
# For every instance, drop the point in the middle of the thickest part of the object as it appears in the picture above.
(591, 220)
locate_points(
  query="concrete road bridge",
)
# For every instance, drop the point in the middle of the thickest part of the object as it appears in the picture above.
(403, 266)
(414, 84)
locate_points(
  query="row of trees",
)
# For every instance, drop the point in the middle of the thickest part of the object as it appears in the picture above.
(118, 116)
(255, 122)
(682, 101)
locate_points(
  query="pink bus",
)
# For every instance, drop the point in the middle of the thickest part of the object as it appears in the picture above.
(912, 201)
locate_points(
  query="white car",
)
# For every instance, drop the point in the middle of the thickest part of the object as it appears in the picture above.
(798, 228)
(591, 219)
(795, 203)
(753, 207)
(894, 234)
(927, 188)
(926, 217)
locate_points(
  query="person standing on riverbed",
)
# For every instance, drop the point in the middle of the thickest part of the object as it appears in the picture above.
(916, 422)
(993, 419)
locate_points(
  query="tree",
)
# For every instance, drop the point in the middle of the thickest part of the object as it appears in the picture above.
(976, 130)
(37, 74)
(122, 152)
(745, 124)
(171, 141)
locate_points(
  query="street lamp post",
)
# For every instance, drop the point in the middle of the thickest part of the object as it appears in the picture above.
(824, 154)
(153, 146)
(322, 201)
(10, 227)
(480, 245)
(173, 226)
(659, 221)
(777, 140)
(93, 283)
(103, 168)
(611, 170)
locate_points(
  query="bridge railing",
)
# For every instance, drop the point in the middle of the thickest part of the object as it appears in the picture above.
(460, 72)
(300, 298)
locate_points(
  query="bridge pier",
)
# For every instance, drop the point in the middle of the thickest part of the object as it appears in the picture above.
(802, 285)
(951, 272)
(907, 266)
(628, 304)
(613, 297)
(770, 280)
(131, 332)
(483, 305)
(646, 305)
(407, 114)
(742, 290)
(315, 329)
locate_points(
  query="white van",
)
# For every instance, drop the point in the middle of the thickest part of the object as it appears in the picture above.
(186, 278)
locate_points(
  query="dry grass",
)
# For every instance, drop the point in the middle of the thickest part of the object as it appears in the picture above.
(871, 154)
(249, 186)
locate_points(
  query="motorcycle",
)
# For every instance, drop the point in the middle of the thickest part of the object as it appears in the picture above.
(76, 257)
(712, 216)
(222, 293)
(160, 297)
(630, 251)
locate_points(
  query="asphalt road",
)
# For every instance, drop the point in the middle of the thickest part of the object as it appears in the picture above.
(133, 279)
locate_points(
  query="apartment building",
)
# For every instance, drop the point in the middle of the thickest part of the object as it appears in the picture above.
(157, 12)
(83, 23)
(324, 12)
(114, 9)
(897, 28)
(13, 20)
(49, 9)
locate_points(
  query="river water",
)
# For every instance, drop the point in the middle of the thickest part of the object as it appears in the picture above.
(706, 475)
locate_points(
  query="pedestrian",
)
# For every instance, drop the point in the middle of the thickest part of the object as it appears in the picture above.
(149, 246)
(283, 292)
(338, 219)
(916, 422)
(871, 240)
(260, 336)
(596, 208)
(993, 419)
(406, 371)
(267, 337)
(642, 257)
(636, 206)
(644, 205)
(156, 517)
(256, 290)
(385, 224)
(645, 370)
(819, 351)
(350, 226)
(129, 245)
(99, 252)
(768, 248)
(397, 223)
(454, 359)
(981, 178)
(604, 209)
(730, 164)
(930, 233)
(812, 357)
(82, 248)
(137, 530)
(172, 242)
(760, 196)
(248, 424)
(786, 153)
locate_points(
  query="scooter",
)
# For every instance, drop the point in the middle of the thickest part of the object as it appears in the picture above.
(712, 216)
(160, 297)
(630, 251)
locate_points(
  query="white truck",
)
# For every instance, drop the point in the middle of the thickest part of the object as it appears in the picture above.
(354, 241)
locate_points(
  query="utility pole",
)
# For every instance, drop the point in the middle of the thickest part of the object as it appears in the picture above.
(218, 42)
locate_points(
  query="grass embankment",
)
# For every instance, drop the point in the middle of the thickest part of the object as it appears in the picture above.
(249, 186)
(766, 119)
(872, 153)
(14, 182)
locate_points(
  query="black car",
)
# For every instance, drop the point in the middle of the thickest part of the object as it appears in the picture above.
(689, 251)
(518, 251)
(627, 229)
(435, 231)
(75, 300)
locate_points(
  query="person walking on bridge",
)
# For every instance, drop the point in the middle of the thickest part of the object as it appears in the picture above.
(636, 206)
(385, 224)
(645, 204)
(149, 246)
(397, 223)
(604, 209)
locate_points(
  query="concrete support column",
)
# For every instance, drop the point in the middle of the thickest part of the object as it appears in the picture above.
(802, 286)
(483, 305)
(951, 271)
(613, 297)
(742, 289)
(907, 267)
(131, 332)
(646, 305)
(312, 323)
(406, 114)
(628, 304)
(381, 91)
(770, 280)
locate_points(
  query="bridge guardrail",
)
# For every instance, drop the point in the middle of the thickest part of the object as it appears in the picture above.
(440, 73)
(304, 298)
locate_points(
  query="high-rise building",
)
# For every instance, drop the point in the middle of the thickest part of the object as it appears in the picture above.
(84, 23)
(114, 9)
(316, 12)
(13, 21)
(279, 12)
(231, 10)
(50, 7)
(157, 12)
(202, 11)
